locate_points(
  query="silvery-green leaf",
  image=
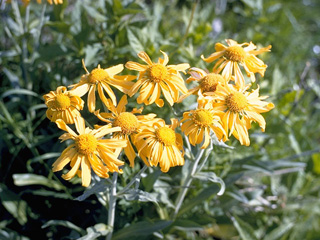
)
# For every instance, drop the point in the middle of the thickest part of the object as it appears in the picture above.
(212, 177)
(139, 195)
(96, 231)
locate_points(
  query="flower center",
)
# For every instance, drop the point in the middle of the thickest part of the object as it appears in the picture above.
(127, 121)
(235, 53)
(158, 72)
(97, 75)
(202, 117)
(236, 102)
(209, 83)
(86, 144)
(166, 135)
(62, 101)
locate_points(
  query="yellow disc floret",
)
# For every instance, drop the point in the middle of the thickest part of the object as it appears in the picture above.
(202, 117)
(62, 101)
(86, 144)
(209, 83)
(236, 102)
(166, 135)
(127, 121)
(97, 75)
(235, 53)
(157, 72)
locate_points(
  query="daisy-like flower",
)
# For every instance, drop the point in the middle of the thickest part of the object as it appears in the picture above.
(89, 150)
(233, 55)
(157, 78)
(26, 2)
(198, 123)
(63, 105)
(101, 79)
(239, 108)
(160, 144)
(130, 124)
(207, 82)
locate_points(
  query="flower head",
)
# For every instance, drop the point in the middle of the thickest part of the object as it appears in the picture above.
(129, 123)
(207, 82)
(89, 150)
(157, 78)
(160, 144)
(234, 54)
(26, 2)
(63, 105)
(101, 79)
(239, 108)
(198, 123)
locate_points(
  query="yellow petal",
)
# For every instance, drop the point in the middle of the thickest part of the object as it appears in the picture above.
(136, 66)
(62, 125)
(85, 172)
(92, 99)
(114, 70)
(144, 56)
(74, 169)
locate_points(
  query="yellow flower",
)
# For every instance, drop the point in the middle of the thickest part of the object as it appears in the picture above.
(233, 54)
(160, 145)
(155, 78)
(207, 82)
(89, 150)
(239, 108)
(130, 124)
(63, 105)
(100, 79)
(197, 124)
(26, 2)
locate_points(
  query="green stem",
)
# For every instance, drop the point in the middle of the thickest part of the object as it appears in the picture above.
(134, 180)
(112, 204)
(187, 184)
(187, 29)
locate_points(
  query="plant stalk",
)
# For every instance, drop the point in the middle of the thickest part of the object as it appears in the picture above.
(112, 204)
(187, 184)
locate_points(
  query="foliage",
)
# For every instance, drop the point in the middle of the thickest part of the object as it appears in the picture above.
(271, 187)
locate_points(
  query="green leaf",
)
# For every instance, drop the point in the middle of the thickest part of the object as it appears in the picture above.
(138, 195)
(90, 53)
(96, 231)
(63, 223)
(25, 179)
(100, 187)
(150, 179)
(61, 27)
(134, 42)
(279, 231)
(11, 235)
(95, 14)
(245, 230)
(142, 228)
(187, 225)
(19, 92)
(212, 177)
(14, 204)
(199, 199)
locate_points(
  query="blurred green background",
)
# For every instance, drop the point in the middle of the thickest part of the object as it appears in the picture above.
(272, 187)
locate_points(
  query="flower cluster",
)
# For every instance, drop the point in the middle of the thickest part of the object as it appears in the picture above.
(26, 2)
(225, 107)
